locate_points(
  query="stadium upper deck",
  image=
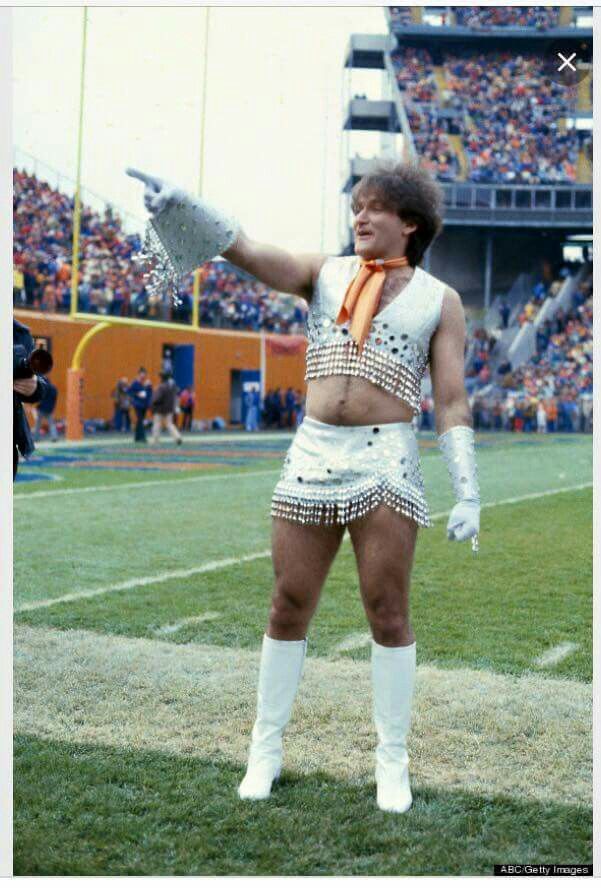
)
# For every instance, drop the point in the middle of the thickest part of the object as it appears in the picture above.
(481, 109)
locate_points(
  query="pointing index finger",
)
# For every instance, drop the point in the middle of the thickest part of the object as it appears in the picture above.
(144, 177)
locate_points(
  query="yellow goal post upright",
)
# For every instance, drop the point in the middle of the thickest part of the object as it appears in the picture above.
(76, 372)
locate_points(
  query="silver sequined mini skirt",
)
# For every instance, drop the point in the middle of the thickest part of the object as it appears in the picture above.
(335, 474)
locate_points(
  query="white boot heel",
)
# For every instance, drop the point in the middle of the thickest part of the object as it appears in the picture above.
(279, 676)
(393, 679)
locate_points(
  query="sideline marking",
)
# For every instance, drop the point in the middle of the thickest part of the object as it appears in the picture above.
(556, 654)
(353, 642)
(199, 701)
(116, 487)
(209, 566)
(190, 621)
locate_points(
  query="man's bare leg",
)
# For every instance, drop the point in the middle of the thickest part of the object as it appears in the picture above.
(302, 556)
(384, 544)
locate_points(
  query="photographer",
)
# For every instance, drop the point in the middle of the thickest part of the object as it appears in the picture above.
(28, 387)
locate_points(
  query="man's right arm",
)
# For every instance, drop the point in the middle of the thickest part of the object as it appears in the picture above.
(277, 268)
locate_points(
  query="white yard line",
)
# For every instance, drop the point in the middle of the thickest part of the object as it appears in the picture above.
(114, 488)
(209, 566)
(556, 654)
(353, 642)
(172, 628)
(194, 438)
(135, 582)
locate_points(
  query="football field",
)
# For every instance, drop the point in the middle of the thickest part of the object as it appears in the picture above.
(142, 582)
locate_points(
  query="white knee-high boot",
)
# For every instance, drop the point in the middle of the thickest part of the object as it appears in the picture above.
(279, 676)
(393, 679)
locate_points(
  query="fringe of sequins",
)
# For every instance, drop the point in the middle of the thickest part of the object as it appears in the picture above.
(387, 373)
(348, 505)
(160, 275)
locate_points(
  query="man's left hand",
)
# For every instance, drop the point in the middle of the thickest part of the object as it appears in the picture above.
(25, 387)
(464, 520)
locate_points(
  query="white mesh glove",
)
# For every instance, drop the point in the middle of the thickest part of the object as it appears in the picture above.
(157, 192)
(464, 520)
(184, 231)
(457, 447)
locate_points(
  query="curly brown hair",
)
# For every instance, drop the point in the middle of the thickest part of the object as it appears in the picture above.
(410, 191)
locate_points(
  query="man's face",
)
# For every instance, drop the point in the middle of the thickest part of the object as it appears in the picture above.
(379, 232)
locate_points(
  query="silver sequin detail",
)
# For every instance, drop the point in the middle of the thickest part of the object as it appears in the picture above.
(395, 354)
(458, 450)
(336, 474)
(180, 238)
(379, 367)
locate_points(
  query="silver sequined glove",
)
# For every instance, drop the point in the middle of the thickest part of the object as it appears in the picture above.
(189, 230)
(457, 447)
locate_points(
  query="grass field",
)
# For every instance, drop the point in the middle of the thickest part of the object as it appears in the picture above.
(141, 590)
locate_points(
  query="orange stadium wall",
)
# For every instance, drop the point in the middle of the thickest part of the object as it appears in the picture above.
(121, 350)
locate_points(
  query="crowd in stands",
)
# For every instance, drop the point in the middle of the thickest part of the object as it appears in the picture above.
(484, 17)
(558, 379)
(110, 281)
(514, 112)
(414, 69)
(508, 115)
(430, 136)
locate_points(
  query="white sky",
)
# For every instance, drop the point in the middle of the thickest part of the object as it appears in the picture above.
(274, 108)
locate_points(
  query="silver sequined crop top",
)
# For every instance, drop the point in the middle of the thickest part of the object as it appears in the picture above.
(395, 353)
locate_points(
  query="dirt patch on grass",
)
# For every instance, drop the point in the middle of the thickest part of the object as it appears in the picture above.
(526, 736)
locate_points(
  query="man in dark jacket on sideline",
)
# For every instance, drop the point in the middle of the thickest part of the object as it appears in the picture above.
(164, 401)
(30, 391)
(140, 392)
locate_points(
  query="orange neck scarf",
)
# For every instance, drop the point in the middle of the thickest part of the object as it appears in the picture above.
(363, 295)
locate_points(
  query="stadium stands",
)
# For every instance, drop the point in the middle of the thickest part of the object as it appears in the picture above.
(558, 377)
(507, 112)
(540, 17)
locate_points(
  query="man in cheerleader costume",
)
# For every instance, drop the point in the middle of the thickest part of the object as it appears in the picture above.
(376, 320)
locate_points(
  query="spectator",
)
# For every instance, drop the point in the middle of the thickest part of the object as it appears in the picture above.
(427, 408)
(45, 409)
(164, 400)
(505, 311)
(299, 406)
(252, 399)
(289, 404)
(121, 400)
(140, 392)
(541, 417)
(186, 403)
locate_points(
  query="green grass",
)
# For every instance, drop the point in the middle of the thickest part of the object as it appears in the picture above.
(528, 589)
(83, 810)
(115, 811)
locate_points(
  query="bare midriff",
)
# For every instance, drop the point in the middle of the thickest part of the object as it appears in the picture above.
(350, 400)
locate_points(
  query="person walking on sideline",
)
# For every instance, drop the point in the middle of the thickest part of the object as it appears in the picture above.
(164, 400)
